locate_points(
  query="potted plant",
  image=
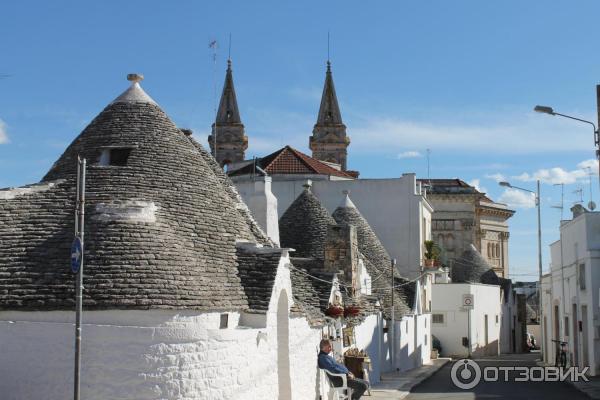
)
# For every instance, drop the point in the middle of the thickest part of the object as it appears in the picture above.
(334, 311)
(432, 253)
(351, 311)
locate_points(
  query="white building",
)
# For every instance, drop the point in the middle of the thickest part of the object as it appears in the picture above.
(571, 289)
(451, 323)
(396, 208)
(464, 330)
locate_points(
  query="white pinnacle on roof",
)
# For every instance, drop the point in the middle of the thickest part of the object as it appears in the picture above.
(135, 93)
(347, 203)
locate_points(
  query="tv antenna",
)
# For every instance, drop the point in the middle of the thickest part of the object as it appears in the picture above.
(562, 199)
(428, 165)
(591, 204)
(580, 193)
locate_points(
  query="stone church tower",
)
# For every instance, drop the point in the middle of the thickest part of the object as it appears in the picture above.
(228, 130)
(329, 141)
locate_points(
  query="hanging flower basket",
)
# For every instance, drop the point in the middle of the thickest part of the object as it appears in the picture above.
(334, 311)
(351, 311)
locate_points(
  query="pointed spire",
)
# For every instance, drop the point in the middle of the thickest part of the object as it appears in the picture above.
(228, 141)
(329, 141)
(228, 108)
(329, 111)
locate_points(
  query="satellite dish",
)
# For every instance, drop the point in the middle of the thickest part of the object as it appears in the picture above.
(592, 205)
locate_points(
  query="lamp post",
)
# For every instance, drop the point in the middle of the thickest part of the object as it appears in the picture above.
(539, 218)
(550, 111)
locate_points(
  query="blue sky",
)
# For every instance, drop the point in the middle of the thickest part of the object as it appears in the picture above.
(460, 78)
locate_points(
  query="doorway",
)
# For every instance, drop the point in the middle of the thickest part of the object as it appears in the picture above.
(585, 360)
(575, 336)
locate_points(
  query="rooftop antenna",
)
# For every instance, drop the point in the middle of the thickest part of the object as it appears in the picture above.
(580, 192)
(212, 44)
(562, 199)
(428, 176)
(591, 204)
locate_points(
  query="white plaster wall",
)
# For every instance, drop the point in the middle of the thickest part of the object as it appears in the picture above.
(393, 207)
(579, 244)
(154, 354)
(263, 205)
(304, 349)
(413, 335)
(447, 300)
(368, 337)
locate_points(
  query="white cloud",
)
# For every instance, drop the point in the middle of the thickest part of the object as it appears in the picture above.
(513, 133)
(477, 185)
(592, 164)
(498, 177)
(3, 133)
(410, 154)
(517, 198)
(553, 175)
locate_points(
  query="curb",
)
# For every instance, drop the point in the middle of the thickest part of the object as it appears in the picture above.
(404, 390)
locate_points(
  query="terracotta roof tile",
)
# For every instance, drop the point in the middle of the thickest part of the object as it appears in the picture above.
(291, 161)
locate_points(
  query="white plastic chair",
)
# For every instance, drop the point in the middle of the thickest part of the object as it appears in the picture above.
(341, 392)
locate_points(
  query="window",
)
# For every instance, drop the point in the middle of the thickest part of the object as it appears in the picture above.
(566, 326)
(443, 224)
(496, 318)
(115, 156)
(497, 250)
(437, 318)
(581, 276)
(224, 321)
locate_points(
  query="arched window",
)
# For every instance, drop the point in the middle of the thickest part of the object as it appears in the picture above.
(497, 250)
(450, 242)
(489, 250)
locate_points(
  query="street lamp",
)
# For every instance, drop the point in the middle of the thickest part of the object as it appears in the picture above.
(550, 111)
(539, 218)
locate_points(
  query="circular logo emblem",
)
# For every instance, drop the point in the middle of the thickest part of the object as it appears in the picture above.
(465, 374)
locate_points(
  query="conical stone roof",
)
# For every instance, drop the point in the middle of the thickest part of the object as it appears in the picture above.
(160, 231)
(377, 261)
(471, 267)
(303, 226)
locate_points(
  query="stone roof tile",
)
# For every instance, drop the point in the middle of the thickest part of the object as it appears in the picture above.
(182, 254)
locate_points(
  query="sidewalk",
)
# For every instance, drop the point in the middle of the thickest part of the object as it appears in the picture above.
(397, 385)
(591, 388)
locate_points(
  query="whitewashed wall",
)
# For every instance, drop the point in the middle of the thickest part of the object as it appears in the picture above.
(155, 354)
(579, 245)
(413, 338)
(447, 300)
(369, 337)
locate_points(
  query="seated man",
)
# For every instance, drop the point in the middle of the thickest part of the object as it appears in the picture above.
(327, 362)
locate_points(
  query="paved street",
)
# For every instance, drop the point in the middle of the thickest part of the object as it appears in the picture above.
(440, 386)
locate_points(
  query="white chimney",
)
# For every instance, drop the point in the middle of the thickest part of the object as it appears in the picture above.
(263, 204)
